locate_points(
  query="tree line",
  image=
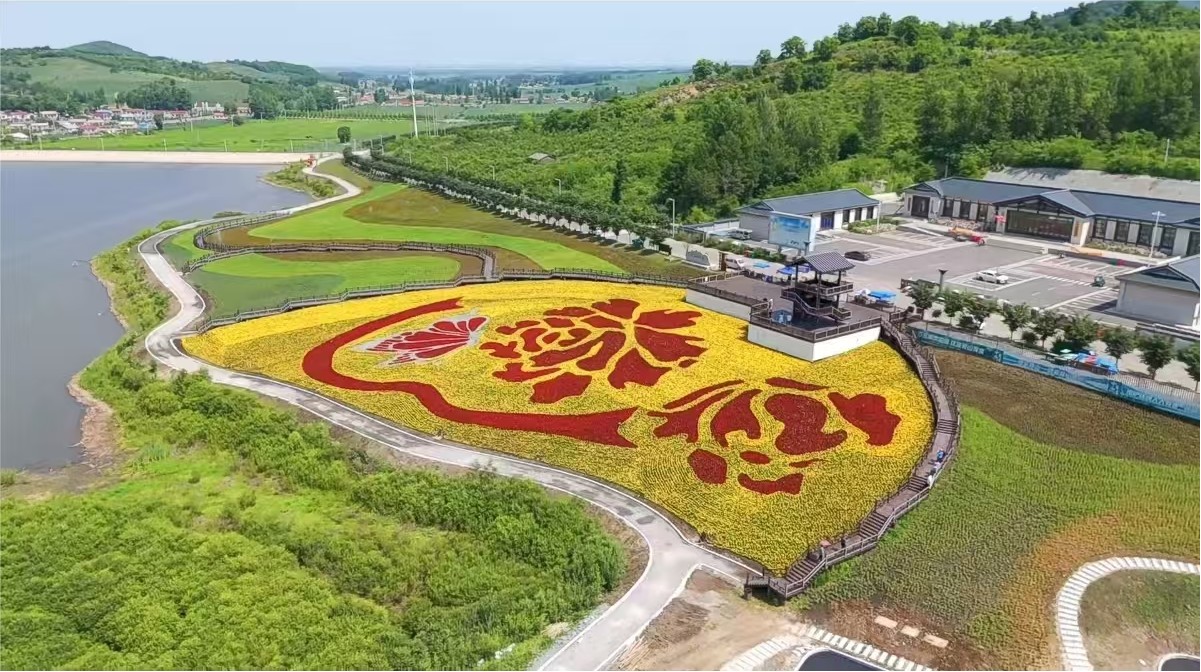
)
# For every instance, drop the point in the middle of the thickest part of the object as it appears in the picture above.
(1075, 333)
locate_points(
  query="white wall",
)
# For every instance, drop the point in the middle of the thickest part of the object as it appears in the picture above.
(718, 305)
(1158, 304)
(810, 352)
(837, 346)
(760, 224)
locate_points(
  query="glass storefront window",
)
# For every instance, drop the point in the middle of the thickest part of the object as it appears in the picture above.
(1144, 235)
(965, 209)
(1167, 238)
(1121, 232)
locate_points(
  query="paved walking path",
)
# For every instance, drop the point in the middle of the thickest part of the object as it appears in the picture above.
(1067, 604)
(131, 156)
(671, 556)
(810, 638)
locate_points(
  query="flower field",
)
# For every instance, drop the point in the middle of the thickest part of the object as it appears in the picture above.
(764, 453)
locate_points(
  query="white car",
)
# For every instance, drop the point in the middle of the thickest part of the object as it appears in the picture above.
(993, 277)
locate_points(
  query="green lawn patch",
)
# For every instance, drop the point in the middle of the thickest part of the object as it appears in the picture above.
(261, 280)
(983, 556)
(1140, 614)
(450, 223)
(275, 135)
(420, 208)
(1081, 420)
(181, 248)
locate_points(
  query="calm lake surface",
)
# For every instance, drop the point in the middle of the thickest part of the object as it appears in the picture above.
(54, 314)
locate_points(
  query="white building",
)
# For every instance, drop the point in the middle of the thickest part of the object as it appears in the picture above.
(827, 209)
(1166, 294)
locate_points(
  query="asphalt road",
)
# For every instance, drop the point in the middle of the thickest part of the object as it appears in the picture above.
(671, 556)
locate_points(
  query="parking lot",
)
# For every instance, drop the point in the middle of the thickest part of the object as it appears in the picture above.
(885, 247)
(1041, 280)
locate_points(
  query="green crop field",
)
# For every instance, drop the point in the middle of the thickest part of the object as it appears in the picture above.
(981, 560)
(436, 111)
(77, 74)
(277, 135)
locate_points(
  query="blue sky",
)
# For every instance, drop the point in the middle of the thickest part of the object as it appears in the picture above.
(453, 34)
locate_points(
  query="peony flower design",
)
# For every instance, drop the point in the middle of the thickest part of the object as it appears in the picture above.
(423, 345)
(567, 347)
(802, 438)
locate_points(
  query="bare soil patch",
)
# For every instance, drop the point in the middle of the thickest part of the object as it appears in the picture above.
(705, 627)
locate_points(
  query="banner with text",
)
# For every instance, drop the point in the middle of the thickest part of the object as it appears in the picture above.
(787, 231)
(1113, 388)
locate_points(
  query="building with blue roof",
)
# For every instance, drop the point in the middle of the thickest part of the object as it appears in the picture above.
(1166, 294)
(826, 210)
(1077, 216)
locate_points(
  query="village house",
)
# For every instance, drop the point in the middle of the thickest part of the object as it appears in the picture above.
(48, 115)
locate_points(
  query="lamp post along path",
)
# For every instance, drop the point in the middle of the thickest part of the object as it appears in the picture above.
(1154, 229)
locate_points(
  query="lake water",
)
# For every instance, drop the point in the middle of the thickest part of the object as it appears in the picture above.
(54, 314)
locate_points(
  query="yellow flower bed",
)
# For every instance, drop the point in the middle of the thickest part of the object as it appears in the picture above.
(764, 453)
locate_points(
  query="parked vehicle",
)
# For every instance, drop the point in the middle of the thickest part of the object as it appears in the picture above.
(858, 255)
(993, 277)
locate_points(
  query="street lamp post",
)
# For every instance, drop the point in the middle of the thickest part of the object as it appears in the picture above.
(560, 186)
(493, 173)
(447, 158)
(673, 214)
(1151, 246)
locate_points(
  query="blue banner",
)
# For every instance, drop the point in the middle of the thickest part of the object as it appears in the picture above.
(788, 231)
(1107, 386)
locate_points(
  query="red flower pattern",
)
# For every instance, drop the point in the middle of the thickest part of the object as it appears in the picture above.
(422, 345)
(567, 347)
(803, 416)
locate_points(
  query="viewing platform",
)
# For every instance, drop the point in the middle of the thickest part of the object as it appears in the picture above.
(806, 317)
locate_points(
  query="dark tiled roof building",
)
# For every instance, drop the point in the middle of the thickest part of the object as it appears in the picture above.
(1071, 215)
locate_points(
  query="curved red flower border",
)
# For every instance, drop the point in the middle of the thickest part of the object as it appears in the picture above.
(318, 364)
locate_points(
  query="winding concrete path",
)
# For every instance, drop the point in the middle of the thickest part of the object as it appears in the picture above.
(1067, 604)
(671, 556)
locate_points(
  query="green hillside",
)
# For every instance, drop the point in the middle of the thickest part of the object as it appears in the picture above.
(74, 74)
(894, 100)
(106, 48)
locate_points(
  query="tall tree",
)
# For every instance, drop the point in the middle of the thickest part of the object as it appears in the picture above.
(1045, 325)
(1155, 352)
(793, 47)
(871, 124)
(923, 296)
(1119, 341)
(1191, 358)
(619, 181)
(1016, 316)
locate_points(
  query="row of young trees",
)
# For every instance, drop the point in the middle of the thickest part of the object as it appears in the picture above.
(610, 218)
(1072, 332)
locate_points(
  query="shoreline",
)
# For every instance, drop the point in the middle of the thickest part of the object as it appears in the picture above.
(134, 156)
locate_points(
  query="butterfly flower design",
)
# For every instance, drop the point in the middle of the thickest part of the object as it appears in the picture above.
(424, 345)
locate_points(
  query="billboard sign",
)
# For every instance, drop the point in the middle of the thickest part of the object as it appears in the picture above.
(788, 231)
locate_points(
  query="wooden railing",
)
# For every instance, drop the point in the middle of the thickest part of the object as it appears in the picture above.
(945, 439)
(226, 251)
(380, 290)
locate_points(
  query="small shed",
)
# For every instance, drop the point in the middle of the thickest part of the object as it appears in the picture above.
(539, 157)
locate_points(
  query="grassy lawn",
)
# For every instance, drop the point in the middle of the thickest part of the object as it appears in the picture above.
(181, 248)
(414, 207)
(260, 280)
(980, 561)
(1130, 616)
(1088, 421)
(439, 221)
(277, 135)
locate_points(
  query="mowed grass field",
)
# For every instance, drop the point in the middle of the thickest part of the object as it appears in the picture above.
(981, 560)
(260, 280)
(77, 74)
(275, 135)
